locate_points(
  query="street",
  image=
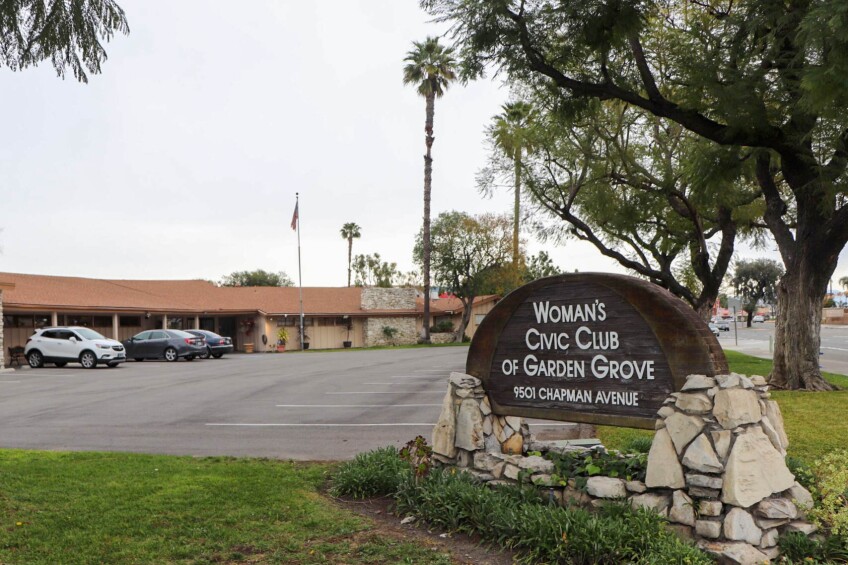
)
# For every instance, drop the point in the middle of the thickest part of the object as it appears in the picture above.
(756, 341)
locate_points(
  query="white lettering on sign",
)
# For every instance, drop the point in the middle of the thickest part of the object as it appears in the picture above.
(576, 395)
(567, 313)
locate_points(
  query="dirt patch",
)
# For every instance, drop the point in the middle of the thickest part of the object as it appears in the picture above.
(464, 550)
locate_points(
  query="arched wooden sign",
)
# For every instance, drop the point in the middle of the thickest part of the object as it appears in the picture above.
(590, 347)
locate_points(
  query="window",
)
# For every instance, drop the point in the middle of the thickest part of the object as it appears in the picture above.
(159, 335)
(143, 336)
(207, 324)
(50, 334)
(175, 323)
(102, 321)
(478, 318)
(128, 321)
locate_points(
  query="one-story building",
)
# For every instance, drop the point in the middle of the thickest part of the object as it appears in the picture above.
(251, 316)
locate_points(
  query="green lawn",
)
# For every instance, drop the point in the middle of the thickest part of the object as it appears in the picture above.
(120, 508)
(815, 422)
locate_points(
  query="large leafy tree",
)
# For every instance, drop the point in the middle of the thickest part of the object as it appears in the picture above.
(350, 231)
(646, 193)
(68, 33)
(371, 270)
(511, 136)
(430, 67)
(258, 277)
(764, 75)
(467, 251)
(756, 282)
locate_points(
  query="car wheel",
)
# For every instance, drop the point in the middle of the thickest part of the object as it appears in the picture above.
(206, 354)
(88, 360)
(60, 364)
(171, 354)
(35, 359)
(112, 365)
(217, 355)
(189, 358)
(139, 359)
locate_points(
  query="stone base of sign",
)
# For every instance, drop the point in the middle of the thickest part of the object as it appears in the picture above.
(442, 337)
(716, 468)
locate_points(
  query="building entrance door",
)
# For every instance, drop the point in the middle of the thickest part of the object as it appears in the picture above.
(227, 328)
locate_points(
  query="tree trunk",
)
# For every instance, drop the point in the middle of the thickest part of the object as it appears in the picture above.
(705, 311)
(428, 179)
(798, 330)
(516, 213)
(349, 257)
(467, 304)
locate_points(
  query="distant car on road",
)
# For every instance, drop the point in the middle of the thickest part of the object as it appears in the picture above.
(74, 344)
(169, 345)
(216, 345)
(714, 329)
(758, 319)
(723, 325)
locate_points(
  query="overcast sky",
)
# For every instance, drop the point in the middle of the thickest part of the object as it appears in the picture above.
(182, 159)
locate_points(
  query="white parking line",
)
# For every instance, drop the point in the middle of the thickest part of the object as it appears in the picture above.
(836, 348)
(412, 377)
(321, 425)
(391, 392)
(354, 405)
(9, 382)
(390, 384)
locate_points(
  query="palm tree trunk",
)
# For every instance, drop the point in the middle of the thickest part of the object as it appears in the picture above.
(349, 257)
(428, 179)
(516, 163)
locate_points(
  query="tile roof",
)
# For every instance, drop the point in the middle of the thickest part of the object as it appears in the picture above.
(42, 291)
(198, 296)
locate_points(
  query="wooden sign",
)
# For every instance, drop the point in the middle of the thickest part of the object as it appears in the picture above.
(590, 347)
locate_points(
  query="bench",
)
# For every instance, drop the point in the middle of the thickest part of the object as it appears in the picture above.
(16, 355)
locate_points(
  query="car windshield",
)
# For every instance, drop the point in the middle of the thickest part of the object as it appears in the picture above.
(89, 334)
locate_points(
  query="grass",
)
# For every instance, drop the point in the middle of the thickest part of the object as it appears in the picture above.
(814, 421)
(121, 508)
(377, 347)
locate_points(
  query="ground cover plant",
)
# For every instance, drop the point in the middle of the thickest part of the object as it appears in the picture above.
(520, 519)
(122, 508)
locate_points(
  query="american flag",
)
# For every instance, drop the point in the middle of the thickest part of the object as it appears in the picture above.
(294, 217)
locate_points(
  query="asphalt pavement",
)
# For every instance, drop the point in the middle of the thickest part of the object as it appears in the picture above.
(302, 406)
(758, 340)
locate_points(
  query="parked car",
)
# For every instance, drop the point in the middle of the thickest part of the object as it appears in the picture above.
(758, 319)
(723, 325)
(165, 344)
(714, 329)
(72, 344)
(216, 345)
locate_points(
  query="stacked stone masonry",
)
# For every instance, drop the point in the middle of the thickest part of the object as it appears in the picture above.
(716, 468)
(405, 331)
(375, 298)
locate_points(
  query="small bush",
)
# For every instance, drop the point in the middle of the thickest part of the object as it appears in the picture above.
(831, 492)
(375, 473)
(389, 333)
(519, 519)
(803, 474)
(631, 467)
(638, 444)
(443, 326)
(799, 548)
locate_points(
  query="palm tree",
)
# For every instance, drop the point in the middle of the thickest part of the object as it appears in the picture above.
(431, 67)
(350, 231)
(510, 133)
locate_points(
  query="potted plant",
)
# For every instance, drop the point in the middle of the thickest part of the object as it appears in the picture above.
(282, 338)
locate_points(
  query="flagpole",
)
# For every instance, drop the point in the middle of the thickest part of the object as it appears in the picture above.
(299, 274)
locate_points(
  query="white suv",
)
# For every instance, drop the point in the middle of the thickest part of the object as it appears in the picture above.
(75, 344)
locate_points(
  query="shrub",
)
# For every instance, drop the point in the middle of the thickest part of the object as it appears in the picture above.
(442, 326)
(518, 518)
(638, 444)
(831, 493)
(803, 474)
(799, 548)
(579, 465)
(389, 333)
(375, 473)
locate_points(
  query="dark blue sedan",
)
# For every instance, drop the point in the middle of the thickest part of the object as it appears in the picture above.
(164, 344)
(216, 345)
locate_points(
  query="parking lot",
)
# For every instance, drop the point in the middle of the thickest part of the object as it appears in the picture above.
(301, 406)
